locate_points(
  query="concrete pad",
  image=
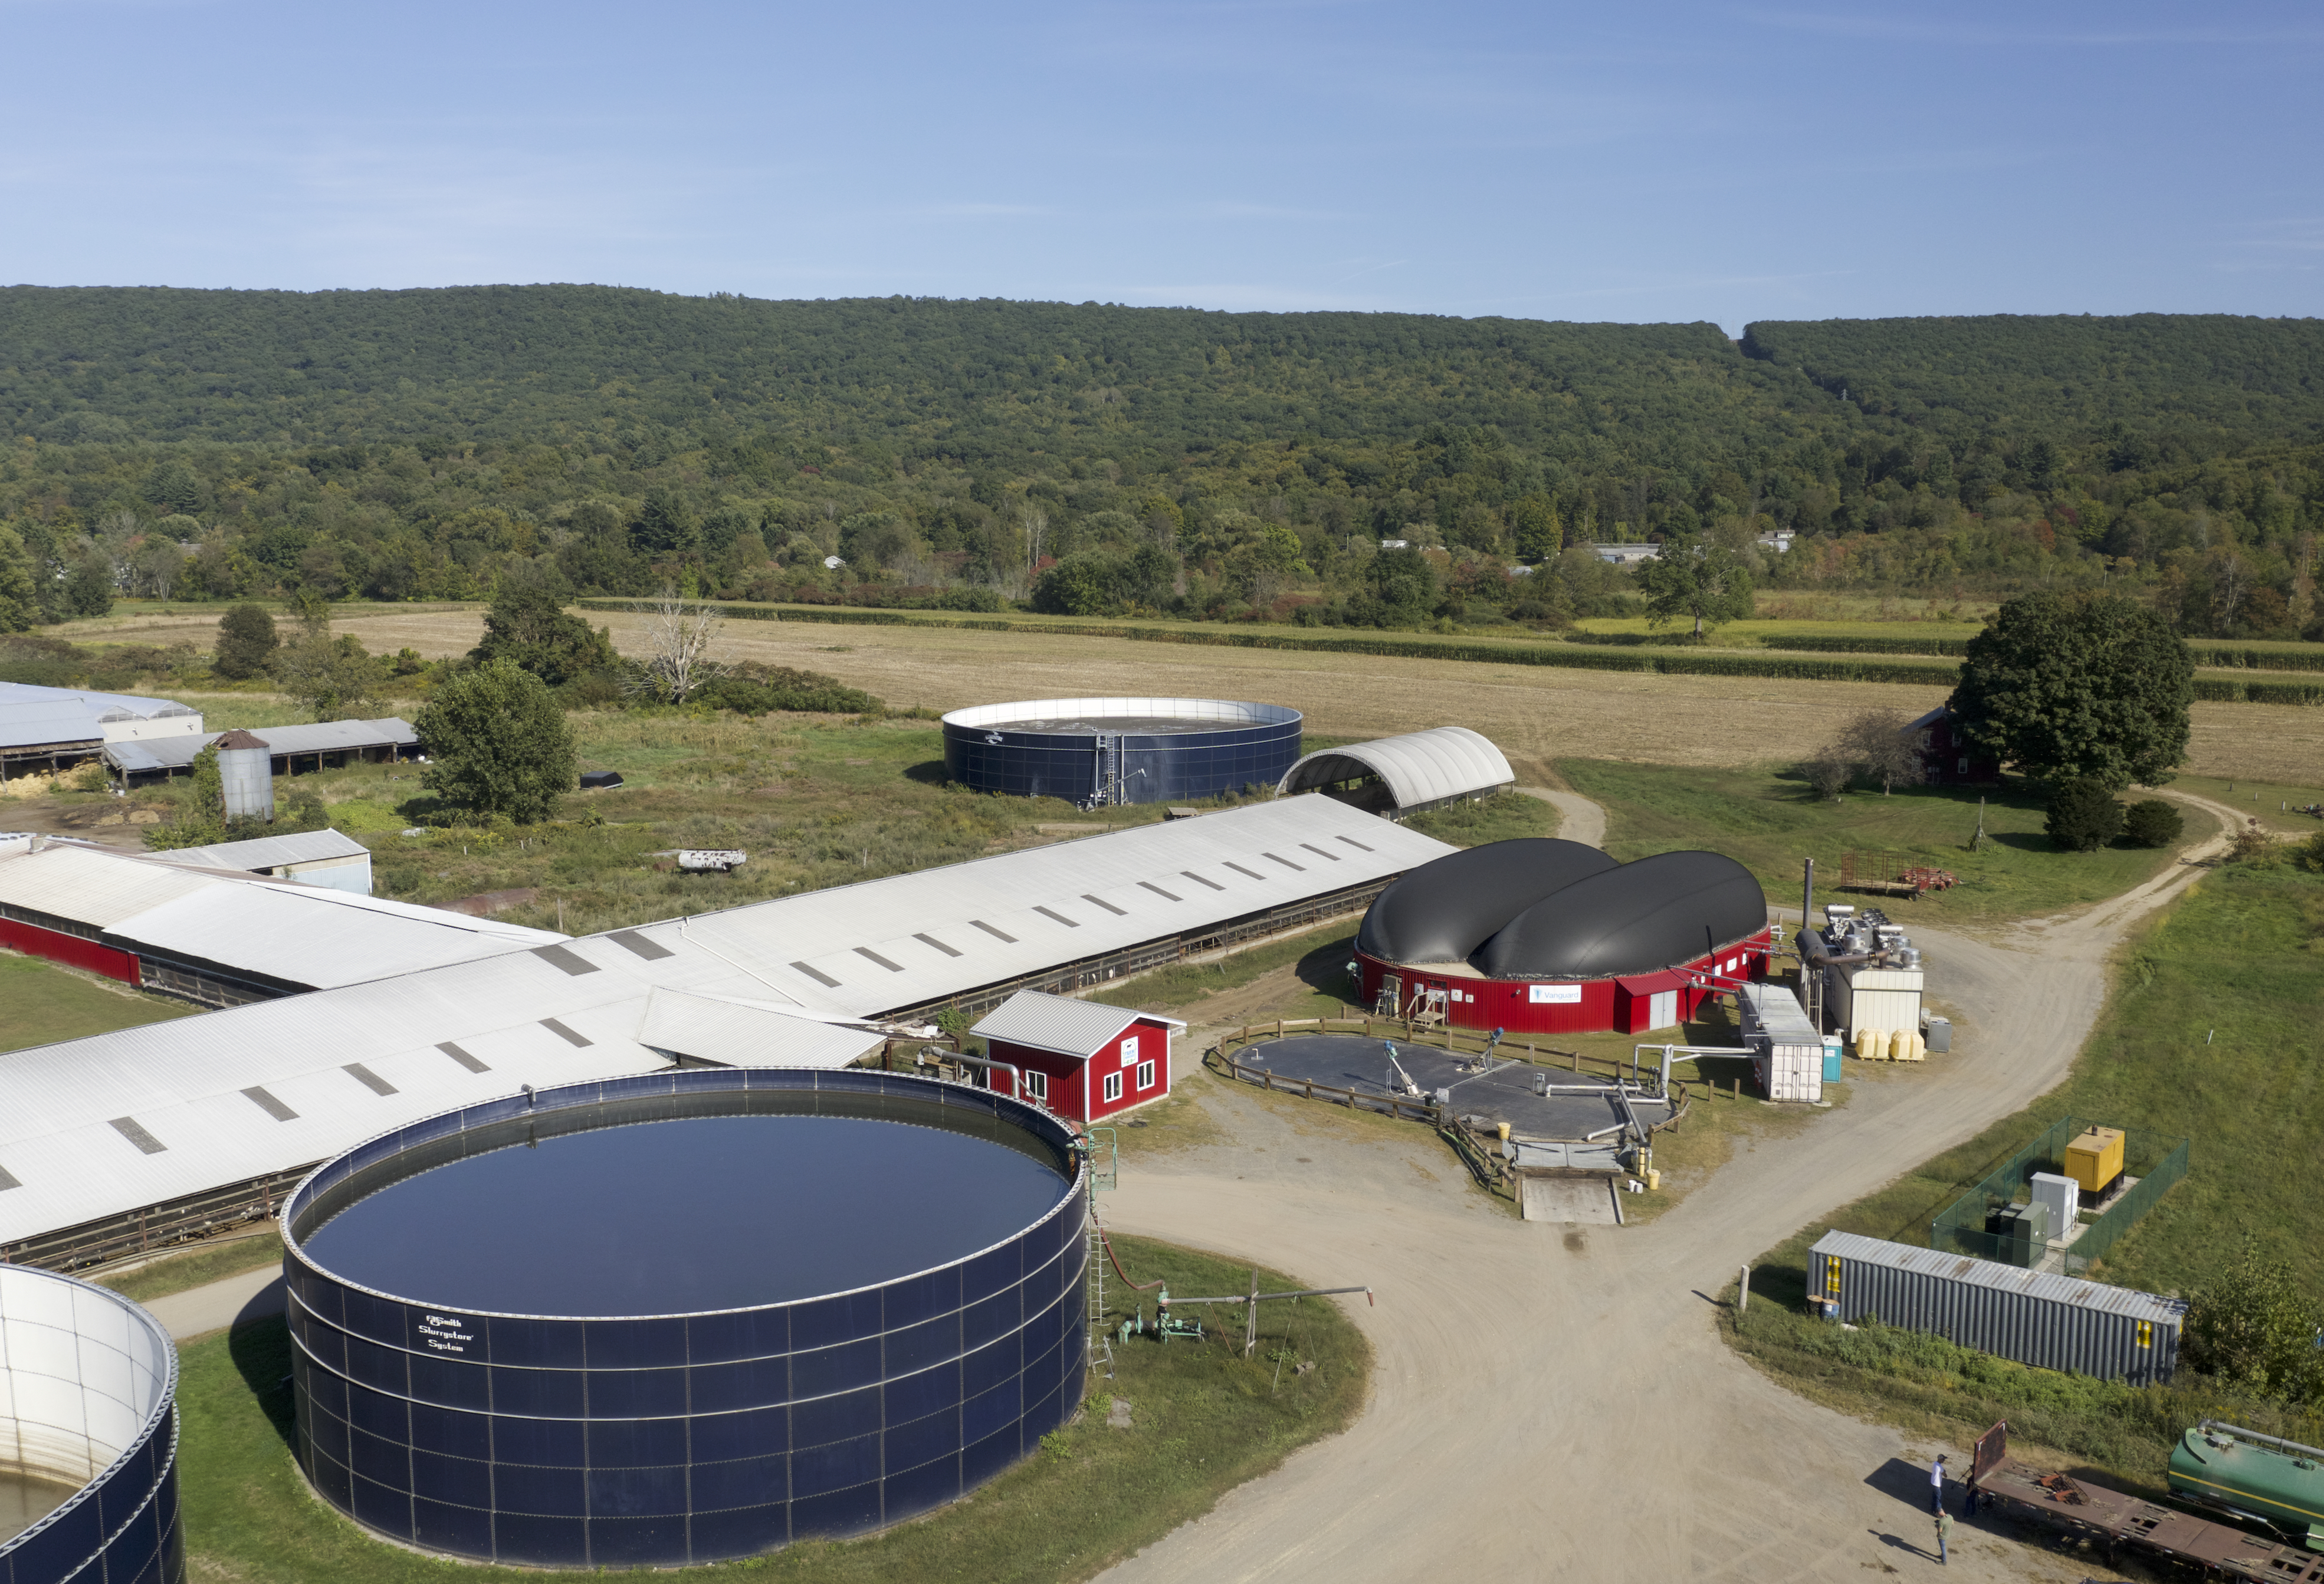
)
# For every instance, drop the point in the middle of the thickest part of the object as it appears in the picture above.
(254, 1295)
(1589, 1200)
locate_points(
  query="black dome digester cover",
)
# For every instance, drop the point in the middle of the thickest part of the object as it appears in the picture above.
(1539, 908)
(1446, 908)
(1653, 914)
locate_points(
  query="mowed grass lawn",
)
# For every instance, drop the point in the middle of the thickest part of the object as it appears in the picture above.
(1203, 1420)
(1766, 820)
(42, 1003)
(2211, 1036)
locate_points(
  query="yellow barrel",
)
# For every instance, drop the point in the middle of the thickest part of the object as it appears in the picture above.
(1505, 1133)
(1653, 1181)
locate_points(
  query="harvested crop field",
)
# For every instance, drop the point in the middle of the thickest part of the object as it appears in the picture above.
(1534, 715)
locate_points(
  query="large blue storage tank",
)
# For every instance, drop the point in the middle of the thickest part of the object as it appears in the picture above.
(1093, 752)
(687, 1317)
(88, 1436)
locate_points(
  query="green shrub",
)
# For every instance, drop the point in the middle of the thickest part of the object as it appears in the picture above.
(2151, 822)
(2082, 816)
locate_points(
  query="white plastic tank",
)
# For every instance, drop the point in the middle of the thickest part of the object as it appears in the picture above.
(246, 770)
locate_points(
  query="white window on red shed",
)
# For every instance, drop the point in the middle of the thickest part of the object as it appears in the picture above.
(1037, 1085)
(1146, 1075)
(1112, 1086)
(1129, 1050)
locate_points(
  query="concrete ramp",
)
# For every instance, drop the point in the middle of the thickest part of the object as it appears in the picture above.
(1585, 1197)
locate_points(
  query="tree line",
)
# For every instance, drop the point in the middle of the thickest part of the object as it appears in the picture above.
(399, 446)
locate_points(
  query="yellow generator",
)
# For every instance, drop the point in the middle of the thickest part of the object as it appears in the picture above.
(2094, 1159)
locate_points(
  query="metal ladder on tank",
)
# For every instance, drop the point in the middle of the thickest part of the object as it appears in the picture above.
(1105, 1171)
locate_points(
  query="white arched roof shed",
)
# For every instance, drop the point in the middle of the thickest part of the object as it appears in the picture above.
(1419, 769)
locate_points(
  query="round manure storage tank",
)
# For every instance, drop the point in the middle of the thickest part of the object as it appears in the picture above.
(685, 1317)
(1100, 751)
(88, 1436)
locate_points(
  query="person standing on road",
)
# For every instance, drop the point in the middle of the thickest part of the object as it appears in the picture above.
(1944, 1537)
(1937, 1485)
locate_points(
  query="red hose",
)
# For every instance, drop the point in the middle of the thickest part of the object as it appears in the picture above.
(1134, 1286)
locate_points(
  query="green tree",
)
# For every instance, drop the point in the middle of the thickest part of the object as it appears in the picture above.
(199, 817)
(1876, 744)
(20, 594)
(665, 526)
(2253, 1328)
(88, 587)
(246, 642)
(2152, 823)
(1082, 584)
(1539, 535)
(530, 625)
(1404, 583)
(2078, 686)
(1692, 580)
(497, 743)
(2082, 816)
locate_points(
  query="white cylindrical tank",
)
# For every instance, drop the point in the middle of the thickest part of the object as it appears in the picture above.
(246, 770)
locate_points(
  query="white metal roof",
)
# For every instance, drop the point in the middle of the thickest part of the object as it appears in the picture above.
(1985, 1273)
(91, 886)
(910, 939)
(725, 987)
(322, 736)
(269, 852)
(1059, 1024)
(1419, 767)
(184, 1082)
(304, 934)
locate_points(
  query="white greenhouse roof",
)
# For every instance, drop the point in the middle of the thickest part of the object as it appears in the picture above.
(271, 852)
(1060, 1023)
(1419, 767)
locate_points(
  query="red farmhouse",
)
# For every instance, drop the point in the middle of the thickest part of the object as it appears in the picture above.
(1082, 1060)
(1548, 937)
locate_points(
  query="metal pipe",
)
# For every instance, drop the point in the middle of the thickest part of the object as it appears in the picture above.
(1807, 897)
(1263, 1297)
(1016, 1079)
(2253, 1435)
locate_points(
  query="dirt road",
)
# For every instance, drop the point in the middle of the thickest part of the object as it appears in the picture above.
(1577, 818)
(1553, 1404)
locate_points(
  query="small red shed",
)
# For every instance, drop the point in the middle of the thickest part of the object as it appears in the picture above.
(1082, 1060)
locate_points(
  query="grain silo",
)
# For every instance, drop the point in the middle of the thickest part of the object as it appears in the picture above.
(247, 773)
(89, 1435)
(678, 1318)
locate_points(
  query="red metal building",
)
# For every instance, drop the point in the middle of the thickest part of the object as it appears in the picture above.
(1084, 1061)
(1542, 936)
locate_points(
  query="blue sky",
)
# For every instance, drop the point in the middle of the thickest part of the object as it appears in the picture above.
(1654, 161)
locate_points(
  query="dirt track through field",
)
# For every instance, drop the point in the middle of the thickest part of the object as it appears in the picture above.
(1554, 1403)
(1533, 713)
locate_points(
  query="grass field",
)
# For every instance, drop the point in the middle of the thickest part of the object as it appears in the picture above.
(1205, 1420)
(42, 1003)
(1769, 822)
(1534, 715)
(2211, 1037)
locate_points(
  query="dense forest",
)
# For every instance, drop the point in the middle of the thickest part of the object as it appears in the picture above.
(427, 444)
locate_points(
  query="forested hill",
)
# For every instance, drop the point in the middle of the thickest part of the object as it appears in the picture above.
(431, 444)
(990, 380)
(999, 382)
(2253, 381)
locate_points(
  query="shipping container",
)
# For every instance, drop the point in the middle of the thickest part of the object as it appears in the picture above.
(2055, 1322)
(1788, 1053)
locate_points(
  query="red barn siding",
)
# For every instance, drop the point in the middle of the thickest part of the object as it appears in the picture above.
(1624, 1005)
(73, 950)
